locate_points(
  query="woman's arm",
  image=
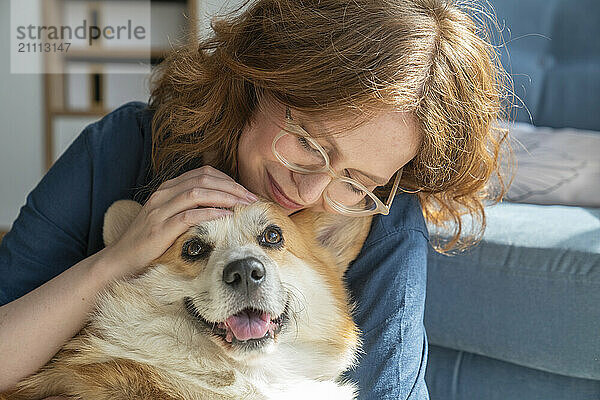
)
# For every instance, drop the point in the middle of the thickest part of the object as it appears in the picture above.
(388, 282)
(35, 326)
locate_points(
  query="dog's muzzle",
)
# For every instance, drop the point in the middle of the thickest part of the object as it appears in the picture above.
(250, 323)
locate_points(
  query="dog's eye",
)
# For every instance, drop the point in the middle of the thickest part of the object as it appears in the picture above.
(194, 249)
(271, 237)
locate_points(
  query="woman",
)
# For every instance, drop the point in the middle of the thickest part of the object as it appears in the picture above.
(287, 101)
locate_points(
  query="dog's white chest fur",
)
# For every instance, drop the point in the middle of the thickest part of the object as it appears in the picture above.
(130, 324)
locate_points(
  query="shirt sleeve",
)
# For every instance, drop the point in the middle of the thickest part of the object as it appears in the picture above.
(50, 232)
(388, 281)
(61, 221)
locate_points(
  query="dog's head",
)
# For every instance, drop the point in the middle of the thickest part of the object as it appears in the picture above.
(258, 279)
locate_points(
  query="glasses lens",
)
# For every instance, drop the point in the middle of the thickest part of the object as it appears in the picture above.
(350, 196)
(300, 151)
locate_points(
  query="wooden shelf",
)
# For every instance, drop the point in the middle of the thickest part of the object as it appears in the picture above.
(57, 105)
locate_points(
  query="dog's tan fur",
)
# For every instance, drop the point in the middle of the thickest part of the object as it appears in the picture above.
(141, 343)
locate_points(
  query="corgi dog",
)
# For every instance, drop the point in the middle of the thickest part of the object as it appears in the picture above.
(248, 306)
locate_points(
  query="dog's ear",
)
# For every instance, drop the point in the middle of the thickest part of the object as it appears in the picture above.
(343, 236)
(117, 219)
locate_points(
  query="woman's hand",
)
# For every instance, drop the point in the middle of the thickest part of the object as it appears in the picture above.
(179, 203)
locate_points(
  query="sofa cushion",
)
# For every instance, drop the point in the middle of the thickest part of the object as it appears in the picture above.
(528, 294)
(555, 166)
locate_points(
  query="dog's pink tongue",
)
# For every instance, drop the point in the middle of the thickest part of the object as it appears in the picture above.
(249, 324)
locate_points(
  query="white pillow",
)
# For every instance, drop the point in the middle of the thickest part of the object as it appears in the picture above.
(555, 166)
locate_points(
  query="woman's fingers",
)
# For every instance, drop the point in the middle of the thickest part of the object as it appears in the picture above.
(181, 222)
(223, 185)
(197, 182)
(168, 231)
(198, 197)
(205, 170)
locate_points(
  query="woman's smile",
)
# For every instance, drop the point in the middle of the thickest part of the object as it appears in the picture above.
(280, 197)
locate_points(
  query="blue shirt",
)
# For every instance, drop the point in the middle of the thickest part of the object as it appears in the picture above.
(61, 224)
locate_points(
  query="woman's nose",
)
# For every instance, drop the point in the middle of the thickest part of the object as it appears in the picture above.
(311, 186)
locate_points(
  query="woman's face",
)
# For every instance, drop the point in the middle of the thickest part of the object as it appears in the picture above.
(370, 153)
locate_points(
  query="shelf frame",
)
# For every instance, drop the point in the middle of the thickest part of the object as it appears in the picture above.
(55, 86)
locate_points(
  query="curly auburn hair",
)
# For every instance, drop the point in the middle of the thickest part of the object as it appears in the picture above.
(332, 57)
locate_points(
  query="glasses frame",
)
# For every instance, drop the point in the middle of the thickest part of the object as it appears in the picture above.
(292, 128)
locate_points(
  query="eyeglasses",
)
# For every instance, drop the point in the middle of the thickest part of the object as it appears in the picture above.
(299, 152)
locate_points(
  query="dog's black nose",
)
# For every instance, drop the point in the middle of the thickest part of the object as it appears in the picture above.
(245, 274)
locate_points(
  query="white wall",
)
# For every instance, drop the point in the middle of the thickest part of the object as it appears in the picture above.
(21, 128)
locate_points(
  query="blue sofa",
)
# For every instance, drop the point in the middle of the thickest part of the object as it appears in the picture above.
(517, 317)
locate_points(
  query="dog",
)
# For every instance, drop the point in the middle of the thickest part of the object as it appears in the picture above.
(248, 306)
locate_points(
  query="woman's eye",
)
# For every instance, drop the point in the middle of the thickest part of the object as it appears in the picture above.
(351, 187)
(306, 144)
(354, 189)
(271, 236)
